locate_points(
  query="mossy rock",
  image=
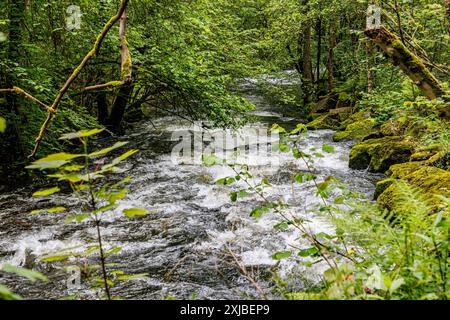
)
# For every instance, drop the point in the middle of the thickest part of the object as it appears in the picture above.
(432, 181)
(422, 155)
(392, 127)
(440, 160)
(325, 121)
(401, 170)
(356, 131)
(382, 186)
(379, 154)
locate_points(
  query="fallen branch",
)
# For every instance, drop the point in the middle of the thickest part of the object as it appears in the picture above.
(28, 96)
(76, 73)
(412, 65)
(105, 86)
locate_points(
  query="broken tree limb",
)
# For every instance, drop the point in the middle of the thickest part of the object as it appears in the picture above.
(28, 96)
(408, 62)
(106, 86)
(77, 71)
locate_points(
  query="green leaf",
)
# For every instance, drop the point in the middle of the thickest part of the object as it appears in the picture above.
(113, 251)
(6, 294)
(77, 218)
(47, 165)
(282, 226)
(281, 255)
(46, 192)
(233, 196)
(118, 160)
(304, 177)
(2, 125)
(327, 148)
(226, 181)
(308, 252)
(106, 208)
(56, 209)
(133, 277)
(26, 273)
(284, 148)
(339, 200)
(59, 156)
(299, 154)
(72, 168)
(107, 150)
(135, 212)
(81, 134)
(258, 212)
(210, 160)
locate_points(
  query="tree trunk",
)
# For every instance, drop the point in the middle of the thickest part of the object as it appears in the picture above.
(370, 63)
(12, 150)
(124, 94)
(319, 49)
(308, 77)
(447, 15)
(102, 107)
(408, 62)
(330, 62)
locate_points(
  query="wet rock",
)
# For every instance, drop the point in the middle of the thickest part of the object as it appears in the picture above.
(379, 154)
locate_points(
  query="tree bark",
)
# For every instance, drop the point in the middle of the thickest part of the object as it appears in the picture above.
(124, 94)
(447, 14)
(408, 62)
(12, 150)
(330, 62)
(308, 77)
(370, 62)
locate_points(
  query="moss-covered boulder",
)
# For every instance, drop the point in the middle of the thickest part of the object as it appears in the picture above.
(356, 131)
(326, 121)
(430, 180)
(382, 186)
(377, 155)
(401, 170)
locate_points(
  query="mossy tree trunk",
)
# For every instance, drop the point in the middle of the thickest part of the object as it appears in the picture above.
(125, 91)
(410, 64)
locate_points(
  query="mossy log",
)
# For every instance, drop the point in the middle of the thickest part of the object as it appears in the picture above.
(408, 62)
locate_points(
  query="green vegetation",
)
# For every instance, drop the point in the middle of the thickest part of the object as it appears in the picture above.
(383, 92)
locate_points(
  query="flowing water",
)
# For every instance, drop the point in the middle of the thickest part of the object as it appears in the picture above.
(195, 241)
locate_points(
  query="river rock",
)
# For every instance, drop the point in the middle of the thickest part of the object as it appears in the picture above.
(379, 154)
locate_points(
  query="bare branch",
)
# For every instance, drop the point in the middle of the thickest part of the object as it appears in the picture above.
(28, 96)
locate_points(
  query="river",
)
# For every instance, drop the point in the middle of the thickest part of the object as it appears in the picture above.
(194, 239)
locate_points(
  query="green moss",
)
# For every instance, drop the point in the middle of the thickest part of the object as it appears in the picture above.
(431, 181)
(416, 66)
(379, 154)
(382, 186)
(356, 131)
(358, 116)
(401, 170)
(392, 127)
(325, 121)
